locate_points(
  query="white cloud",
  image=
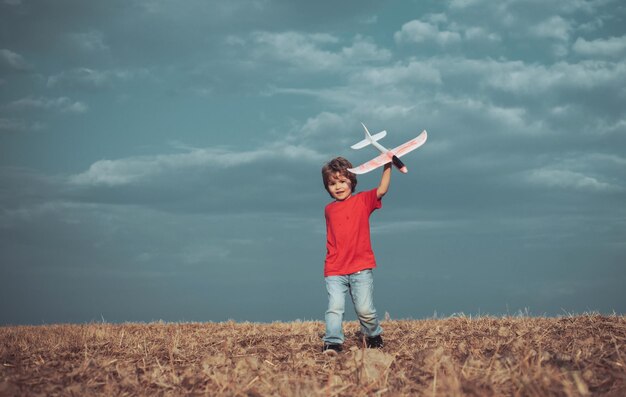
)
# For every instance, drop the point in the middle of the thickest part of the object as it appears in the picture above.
(502, 116)
(610, 160)
(586, 171)
(417, 31)
(557, 30)
(566, 179)
(313, 52)
(199, 8)
(412, 72)
(436, 18)
(611, 47)
(480, 33)
(91, 78)
(532, 78)
(553, 28)
(371, 20)
(398, 227)
(460, 4)
(439, 29)
(390, 112)
(203, 254)
(325, 123)
(617, 127)
(76, 107)
(562, 6)
(62, 104)
(457, 92)
(81, 76)
(13, 61)
(233, 40)
(592, 25)
(91, 41)
(364, 51)
(18, 125)
(297, 48)
(360, 101)
(141, 168)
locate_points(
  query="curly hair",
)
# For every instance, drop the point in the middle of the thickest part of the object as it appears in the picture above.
(338, 165)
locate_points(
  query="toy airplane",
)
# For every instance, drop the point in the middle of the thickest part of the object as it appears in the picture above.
(386, 155)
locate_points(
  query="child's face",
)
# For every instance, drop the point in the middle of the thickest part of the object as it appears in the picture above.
(339, 187)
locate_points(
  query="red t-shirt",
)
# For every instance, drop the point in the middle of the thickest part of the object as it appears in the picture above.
(348, 245)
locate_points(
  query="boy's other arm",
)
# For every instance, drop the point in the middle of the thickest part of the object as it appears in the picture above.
(384, 181)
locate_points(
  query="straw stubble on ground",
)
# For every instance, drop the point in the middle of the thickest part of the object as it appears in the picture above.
(485, 356)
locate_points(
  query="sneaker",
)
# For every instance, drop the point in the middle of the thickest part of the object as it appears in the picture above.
(375, 342)
(331, 348)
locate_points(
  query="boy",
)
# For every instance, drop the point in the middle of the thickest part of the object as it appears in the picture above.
(349, 256)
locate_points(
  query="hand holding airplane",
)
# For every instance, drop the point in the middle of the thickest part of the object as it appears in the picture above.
(386, 155)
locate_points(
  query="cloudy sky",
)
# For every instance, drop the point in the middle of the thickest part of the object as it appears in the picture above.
(161, 159)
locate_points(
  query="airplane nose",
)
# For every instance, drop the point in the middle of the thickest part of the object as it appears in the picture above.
(399, 164)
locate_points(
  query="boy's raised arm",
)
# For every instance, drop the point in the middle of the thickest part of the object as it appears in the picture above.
(384, 181)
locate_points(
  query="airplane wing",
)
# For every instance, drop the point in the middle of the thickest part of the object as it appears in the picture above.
(410, 145)
(386, 158)
(372, 164)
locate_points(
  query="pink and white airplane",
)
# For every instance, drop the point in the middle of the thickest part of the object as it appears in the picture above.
(386, 155)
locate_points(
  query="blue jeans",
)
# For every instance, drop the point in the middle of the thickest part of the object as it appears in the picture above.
(361, 288)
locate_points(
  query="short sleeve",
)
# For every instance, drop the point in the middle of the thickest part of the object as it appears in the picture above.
(371, 200)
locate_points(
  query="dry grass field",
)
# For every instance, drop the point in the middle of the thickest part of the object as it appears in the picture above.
(485, 356)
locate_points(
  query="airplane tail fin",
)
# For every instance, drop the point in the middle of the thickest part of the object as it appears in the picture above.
(368, 138)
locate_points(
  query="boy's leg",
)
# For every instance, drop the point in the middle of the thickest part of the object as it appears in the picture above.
(337, 286)
(362, 292)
